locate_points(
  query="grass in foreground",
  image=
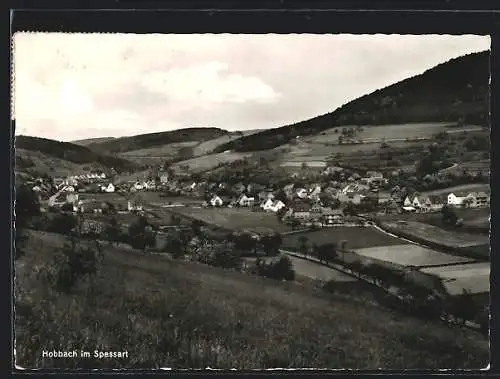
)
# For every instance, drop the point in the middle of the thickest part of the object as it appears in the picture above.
(186, 315)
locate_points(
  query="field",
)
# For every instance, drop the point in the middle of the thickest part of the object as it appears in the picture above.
(208, 147)
(356, 237)
(474, 277)
(157, 154)
(380, 133)
(409, 255)
(437, 235)
(209, 162)
(463, 187)
(316, 271)
(236, 219)
(184, 315)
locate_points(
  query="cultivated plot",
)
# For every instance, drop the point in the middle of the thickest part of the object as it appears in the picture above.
(409, 255)
(438, 235)
(236, 219)
(356, 237)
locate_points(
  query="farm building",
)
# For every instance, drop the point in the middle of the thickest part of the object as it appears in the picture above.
(478, 199)
(246, 201)
(216, 201)
(456, 199)
(109, 188)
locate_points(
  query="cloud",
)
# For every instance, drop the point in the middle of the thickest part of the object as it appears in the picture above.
(72, 86)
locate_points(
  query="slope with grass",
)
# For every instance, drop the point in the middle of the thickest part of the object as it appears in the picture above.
(145, 141)
(452, 91)
(183, 315)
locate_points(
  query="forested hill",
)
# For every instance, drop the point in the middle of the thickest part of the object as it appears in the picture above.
(70, 152)
(144, 141)
(456, 91)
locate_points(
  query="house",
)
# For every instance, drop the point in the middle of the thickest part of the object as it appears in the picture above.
(69, 189)
(354, 187)
(316, 208)
(138, 186)
(264, 195)
(477, 199)
(216, 201)
(277, 206)
(302, 211)
(314, 191)
(164, 178)
(456, 199)
(109, 188)
(433, 203)
(134, 206)
(414, 200)
(267, 204)
(149, 185)
(384, 197)
(245, 201)
(354, 198)
(301, 193)
(331, 216)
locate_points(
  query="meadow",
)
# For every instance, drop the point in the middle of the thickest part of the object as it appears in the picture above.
(437, 235)
(474, 277)
(356, 237)
(236, 219)
(379, 133)
(184, 315)
(209, 162)
(409, 255)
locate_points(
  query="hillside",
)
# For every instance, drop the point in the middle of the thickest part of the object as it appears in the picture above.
(144, 141)
(452, 91)
(63, 152)
(176, 314)
(88, 141)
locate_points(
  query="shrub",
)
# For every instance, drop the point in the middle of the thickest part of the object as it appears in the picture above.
(279, 270)
(63, 223)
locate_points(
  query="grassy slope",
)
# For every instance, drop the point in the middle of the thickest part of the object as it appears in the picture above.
(65, 151)
(144, 141)
(439, 94)
(171, 314)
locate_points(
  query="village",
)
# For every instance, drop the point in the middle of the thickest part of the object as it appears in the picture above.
(320, 204)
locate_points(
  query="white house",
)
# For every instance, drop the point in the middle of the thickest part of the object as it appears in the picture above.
(216, 201)
(109, 188)
(272, 206)
(164, 178)
(246, 201)
(103, 175)
(69, 189)
(267, 204)
(455, 200)
(133, 206)
(314, 191)
(139, 186)
(477, 199)
(301, 193)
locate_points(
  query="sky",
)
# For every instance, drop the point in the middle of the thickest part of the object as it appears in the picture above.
(77, 86)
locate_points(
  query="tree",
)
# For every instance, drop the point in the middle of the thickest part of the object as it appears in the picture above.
(67, 207)
(141, 235)
(449, 217)
(175, 245)
(272, 243)
(112, 231)
(303, 244)
(196, 227)
(327, 252)
(27, 206)
(245, 242)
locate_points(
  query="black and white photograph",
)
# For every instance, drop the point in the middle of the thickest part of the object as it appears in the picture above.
(251, 201)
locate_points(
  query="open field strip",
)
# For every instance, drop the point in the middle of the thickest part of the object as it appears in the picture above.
(409, 255)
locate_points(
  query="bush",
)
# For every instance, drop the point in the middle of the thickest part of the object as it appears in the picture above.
(76, 262)
(281, 269)
(63, 223)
